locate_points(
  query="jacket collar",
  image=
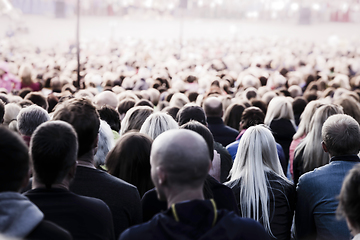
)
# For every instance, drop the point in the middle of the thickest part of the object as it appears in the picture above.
(348, 158)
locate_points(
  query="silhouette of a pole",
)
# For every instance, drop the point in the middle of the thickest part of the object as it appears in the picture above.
(78, 42)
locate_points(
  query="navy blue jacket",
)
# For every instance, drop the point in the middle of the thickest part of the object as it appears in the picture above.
(221, 133)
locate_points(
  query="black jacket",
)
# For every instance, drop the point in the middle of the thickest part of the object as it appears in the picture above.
(197, 219)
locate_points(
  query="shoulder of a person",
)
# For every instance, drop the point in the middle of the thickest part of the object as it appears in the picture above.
(49, 230)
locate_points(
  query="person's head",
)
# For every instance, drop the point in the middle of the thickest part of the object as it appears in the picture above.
(144, 102)
(29, 118)
(134, 118)
(204, 132)
(124, 105)
(232, 117)
(298, 106)
(38, 99)
(279, 108)
(213, 107)
(157, 123)
(341, 135)
(111, 116)
(251, 116)
(105, 98)
(25, 74)
(10, 116)
(305, 119)
(180, 161)
(14, 160)
(350, 106)
(84, 118)
(53, 151)
(178, 100)
(349, 204)
(191, 112)
(129, 160)
(172, 111)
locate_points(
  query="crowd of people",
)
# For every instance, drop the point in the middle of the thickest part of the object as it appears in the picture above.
(223, 139)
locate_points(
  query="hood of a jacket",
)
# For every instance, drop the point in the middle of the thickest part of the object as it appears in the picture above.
(18, 216)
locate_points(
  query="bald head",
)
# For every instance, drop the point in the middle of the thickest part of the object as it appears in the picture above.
(183, 157)
(213, 107)
(106, 98)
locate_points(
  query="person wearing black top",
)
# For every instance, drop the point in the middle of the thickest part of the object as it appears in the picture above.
(53, 148)
(122, 198)
(20, 218)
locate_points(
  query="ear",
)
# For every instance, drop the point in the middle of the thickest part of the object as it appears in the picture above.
(161, 175)
(324, 147)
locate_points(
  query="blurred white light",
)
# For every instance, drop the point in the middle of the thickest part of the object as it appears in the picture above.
(345, 7)
(220, 2)
(200, 3)
(212, 5)
(253, 14)
(316, 6)
(294, 6)
(273, 15)
(148, 3)
(278, 5)
(171, 6)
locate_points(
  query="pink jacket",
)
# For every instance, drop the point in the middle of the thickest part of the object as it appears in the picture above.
(8, 80)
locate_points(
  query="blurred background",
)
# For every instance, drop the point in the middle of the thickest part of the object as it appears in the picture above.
(48, 22)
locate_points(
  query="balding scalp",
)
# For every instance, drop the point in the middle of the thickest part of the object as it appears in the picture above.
(184, 156)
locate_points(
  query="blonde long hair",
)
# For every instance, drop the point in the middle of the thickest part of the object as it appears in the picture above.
(255, 156)
(279, 107)
(313, 154)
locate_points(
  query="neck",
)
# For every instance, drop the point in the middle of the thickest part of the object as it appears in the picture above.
(174, 197)
(63, 185)
(86, 160)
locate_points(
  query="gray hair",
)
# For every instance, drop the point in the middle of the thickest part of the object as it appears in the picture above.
(30, 118)
(105, 144)
(157, 123)
(341, 135)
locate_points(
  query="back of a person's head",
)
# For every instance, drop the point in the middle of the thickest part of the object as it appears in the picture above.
(184, 157)
(260, 104)
(134, 118)
(299, 105)
(191, 112)
(349, 204)
(341, 135)
(144, 102)
(279, 108)
(10, 116)
(38, 99)
(129, 160)
(53, 151)
(14, 161)
(111, 116)
(105, 98)
(350, 106)
(172, 111)
(84, 118)
(232, 116)
(124, 105)
(29, 118)
(204, 132)
(179, 100)
(251, 116)
(213, 107)
(157, 123)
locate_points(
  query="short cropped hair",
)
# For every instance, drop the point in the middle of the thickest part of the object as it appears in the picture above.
(38, 99)
(14, 160)
(191, 112)
(30, 118)
(341, 135)
(53, 150)
(84, 118)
